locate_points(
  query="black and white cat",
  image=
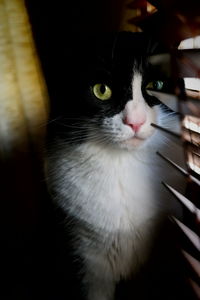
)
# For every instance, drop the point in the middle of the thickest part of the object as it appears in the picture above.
(101, 165)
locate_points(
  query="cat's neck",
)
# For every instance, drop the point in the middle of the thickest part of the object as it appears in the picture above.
(110, 150)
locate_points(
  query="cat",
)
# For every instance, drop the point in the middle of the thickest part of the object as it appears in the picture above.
(101, 166)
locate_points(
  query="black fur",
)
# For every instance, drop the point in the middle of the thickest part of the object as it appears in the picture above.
(107, 59)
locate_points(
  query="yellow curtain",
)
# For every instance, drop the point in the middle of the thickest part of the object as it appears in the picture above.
(23, 96)
(23, 116)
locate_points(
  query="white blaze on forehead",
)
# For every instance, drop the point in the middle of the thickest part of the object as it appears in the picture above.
(137, 88)
(135, 109)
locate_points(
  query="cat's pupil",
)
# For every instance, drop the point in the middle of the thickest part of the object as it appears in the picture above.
(102, 88)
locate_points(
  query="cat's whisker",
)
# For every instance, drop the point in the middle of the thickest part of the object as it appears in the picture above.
(165, 140)
(170, 114)
(45, 124)
(80, 121)
(164, 120)
(76, 126)
(177, 135)
(91, 136)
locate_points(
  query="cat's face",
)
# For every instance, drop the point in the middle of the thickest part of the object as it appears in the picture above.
(131, 127)
(108, 101)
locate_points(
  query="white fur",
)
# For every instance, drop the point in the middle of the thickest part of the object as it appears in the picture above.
(113, 189)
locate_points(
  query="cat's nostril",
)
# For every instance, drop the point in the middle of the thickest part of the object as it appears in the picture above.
(136, 127)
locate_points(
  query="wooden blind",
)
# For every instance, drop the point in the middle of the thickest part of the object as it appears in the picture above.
(172, 22)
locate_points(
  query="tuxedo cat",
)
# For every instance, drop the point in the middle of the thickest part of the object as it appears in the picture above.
(101, 166)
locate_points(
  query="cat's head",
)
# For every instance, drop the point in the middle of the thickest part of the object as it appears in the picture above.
(105, 99)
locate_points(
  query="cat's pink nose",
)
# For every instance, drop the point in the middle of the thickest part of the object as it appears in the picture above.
(134, 125)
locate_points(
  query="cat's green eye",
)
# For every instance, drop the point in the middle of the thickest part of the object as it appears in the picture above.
(102, 91)
(155, 85)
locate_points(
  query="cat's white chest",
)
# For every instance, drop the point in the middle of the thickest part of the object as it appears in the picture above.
(112, 191)
(114, 194)
(119, 197)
